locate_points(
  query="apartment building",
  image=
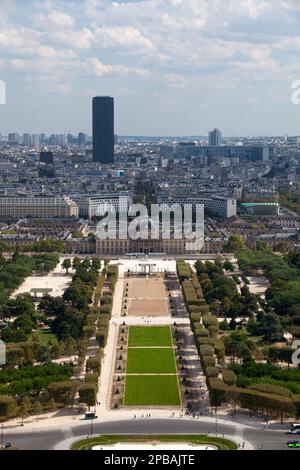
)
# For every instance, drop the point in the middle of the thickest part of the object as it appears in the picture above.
(40, 207)
(218, 205)
(98, 204)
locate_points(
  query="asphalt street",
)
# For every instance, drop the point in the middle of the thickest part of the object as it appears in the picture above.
(48, 439)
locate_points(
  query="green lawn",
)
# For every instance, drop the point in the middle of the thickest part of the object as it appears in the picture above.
(150, 361)
(149, 390)
(46, 337)
(149, 336)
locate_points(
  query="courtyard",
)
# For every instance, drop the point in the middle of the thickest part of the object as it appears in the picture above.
(146, 296)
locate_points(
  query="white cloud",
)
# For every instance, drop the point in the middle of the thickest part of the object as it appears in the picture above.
(98, 68)
(57, 19)
(121, 37)
(184, 46)
(81, 39)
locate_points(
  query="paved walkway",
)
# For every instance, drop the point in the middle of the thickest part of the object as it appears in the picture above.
(57, 280)
(109, 356)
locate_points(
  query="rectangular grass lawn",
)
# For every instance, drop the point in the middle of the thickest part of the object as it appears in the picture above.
(47, 337)
(150, 361)
(147, 390)
(149, 336)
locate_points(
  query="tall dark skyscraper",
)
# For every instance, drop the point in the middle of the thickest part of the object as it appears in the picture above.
(103, 129)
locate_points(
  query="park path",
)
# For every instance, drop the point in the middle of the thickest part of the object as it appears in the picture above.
(109, 353)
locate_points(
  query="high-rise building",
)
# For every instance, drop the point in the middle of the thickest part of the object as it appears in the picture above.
(36, 140)
(46, 157)
(215, 138)
(82, 139)
(13, 138)
(27, 140)
(103, 129)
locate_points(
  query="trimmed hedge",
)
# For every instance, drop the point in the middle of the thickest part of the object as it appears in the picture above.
(212, 371)
(229, 377)
(210, 320)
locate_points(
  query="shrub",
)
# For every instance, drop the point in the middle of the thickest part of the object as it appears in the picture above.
(88, 393)
(200, 331)
(105, 309)
(273, 389)
(101, 336)
(89, 330)
(107, 299)
(210, 320)
(217, 391)
(8, 407)
(195, 317)
(229, 377)
(206, 350)
(93, 377)
(207, 361)
(94, 364)
(194, 309)
(63, 392)
(212, 371)
(202, 340)
(219, 349)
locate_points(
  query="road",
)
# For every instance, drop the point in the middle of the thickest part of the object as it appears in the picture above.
(48, 439)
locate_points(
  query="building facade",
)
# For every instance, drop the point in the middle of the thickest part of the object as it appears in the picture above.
(219, 206)
(98, 204)
(103, 129)
(40, 207)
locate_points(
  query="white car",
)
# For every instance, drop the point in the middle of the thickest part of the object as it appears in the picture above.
(295, 431)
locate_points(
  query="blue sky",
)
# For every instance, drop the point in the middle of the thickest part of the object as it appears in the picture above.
(175, 67)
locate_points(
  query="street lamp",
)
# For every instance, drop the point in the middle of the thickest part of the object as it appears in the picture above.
(91, 426)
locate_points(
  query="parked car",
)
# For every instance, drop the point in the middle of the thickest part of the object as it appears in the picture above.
(5, 445)
(293, 444)
(295, 431)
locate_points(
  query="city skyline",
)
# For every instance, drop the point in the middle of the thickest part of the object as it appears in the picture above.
(174, 68)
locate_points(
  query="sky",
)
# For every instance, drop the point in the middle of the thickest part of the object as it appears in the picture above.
(174, 67)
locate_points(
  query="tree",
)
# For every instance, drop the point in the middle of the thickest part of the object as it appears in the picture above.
(37, 408)
(261, 245)
(22, 305)
(200, 267)
(270, 328)
(69, 324)
(228, 266)
(8, 407)
(76, 263)
(217, 391)
(282, 247)
(88, 393)
(96, 264)
(52, 306)
(23, 411)
(85, 263)
(52, 405)
(14, 355)
(63, 392)
(234, 244)
(66, 265)
(43, 353)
